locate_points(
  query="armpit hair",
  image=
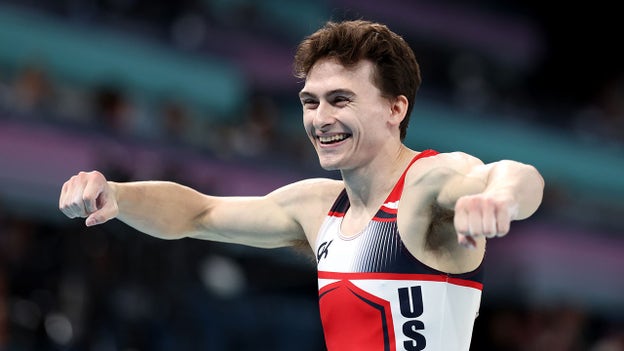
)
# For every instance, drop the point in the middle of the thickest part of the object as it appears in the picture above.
(303, 248)
(441, 228)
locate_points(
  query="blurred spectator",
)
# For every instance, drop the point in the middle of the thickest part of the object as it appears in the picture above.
(603, 121)
(472, 90)
(258, 134)
(73, 104)
(114, 110)
(189, 31)
(33, 92)
(533, 328)
(177, 123)
(5, 91)
(611, 342)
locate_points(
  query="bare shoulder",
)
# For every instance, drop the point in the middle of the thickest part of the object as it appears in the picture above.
(449, 162)
(425, 215)
(308, 201)
(430, 175)
(309, 190)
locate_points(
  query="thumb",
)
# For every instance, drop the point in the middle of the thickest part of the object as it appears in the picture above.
(466, 241)
(98, 217)
(102, 215)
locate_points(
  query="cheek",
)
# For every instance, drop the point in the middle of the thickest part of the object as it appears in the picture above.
(307, 120)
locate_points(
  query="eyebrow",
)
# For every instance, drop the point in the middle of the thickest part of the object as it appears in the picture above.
(304, 94)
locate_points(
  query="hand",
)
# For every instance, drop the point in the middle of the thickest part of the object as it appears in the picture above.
(483, 214)
(89, 195)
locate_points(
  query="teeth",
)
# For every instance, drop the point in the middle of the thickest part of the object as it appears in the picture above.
(333, 138)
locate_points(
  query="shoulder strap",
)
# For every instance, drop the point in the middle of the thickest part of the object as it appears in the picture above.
(396, 192)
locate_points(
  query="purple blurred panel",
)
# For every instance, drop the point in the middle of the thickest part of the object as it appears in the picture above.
(511, 40)
(35, 161)
(549, 264)
(266, 62)
(31, 153)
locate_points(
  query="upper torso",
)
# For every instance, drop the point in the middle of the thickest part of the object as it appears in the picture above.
(426, 229)
(376, 295)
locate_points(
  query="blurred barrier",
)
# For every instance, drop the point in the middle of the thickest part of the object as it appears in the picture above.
(36, 159)
(98, 56)
(583, 170)
(556, 265)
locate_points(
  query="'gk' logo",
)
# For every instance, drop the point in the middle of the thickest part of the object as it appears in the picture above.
(323, 250)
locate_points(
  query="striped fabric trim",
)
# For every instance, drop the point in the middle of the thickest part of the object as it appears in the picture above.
(447, 278)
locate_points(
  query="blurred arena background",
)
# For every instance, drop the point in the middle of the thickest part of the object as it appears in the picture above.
(201, 92)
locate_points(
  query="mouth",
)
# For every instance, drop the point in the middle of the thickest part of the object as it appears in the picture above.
(333, 139)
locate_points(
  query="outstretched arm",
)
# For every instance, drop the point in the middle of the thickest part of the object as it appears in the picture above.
(170, 211)
(511, 191)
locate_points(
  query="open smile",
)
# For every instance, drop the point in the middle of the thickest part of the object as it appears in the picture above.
(332, 139)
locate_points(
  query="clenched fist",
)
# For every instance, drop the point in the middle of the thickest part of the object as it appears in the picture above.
(487, 215)
(88, 195)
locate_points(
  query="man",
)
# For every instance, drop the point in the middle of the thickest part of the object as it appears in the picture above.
(399, 240)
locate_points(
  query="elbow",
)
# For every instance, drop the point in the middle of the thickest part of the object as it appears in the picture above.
(533, 190)
(539, 188)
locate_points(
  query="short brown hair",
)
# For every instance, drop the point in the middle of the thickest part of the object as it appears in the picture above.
(396, 69)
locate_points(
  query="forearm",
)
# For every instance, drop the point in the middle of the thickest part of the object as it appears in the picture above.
(162, 209)
(521, 182)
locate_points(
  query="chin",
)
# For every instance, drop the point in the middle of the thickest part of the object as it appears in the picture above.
(329, 165)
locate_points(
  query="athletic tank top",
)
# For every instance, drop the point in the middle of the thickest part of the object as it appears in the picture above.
(374, 295)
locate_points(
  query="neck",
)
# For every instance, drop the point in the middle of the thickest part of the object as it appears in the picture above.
(367, 184)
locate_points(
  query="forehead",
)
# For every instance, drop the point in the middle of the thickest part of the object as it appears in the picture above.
(329, 74)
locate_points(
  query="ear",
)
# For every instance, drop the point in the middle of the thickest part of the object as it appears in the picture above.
(398, 109)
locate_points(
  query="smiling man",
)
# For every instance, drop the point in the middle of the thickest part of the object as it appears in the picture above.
(399, 240)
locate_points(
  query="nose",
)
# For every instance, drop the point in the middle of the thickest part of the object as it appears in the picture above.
(324, 116)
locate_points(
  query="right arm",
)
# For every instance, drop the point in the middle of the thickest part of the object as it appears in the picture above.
(170, 211)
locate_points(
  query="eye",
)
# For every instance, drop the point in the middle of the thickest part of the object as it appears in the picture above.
(309, 103)
(340, 101)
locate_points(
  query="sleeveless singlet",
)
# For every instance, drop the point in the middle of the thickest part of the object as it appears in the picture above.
(374, 295)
